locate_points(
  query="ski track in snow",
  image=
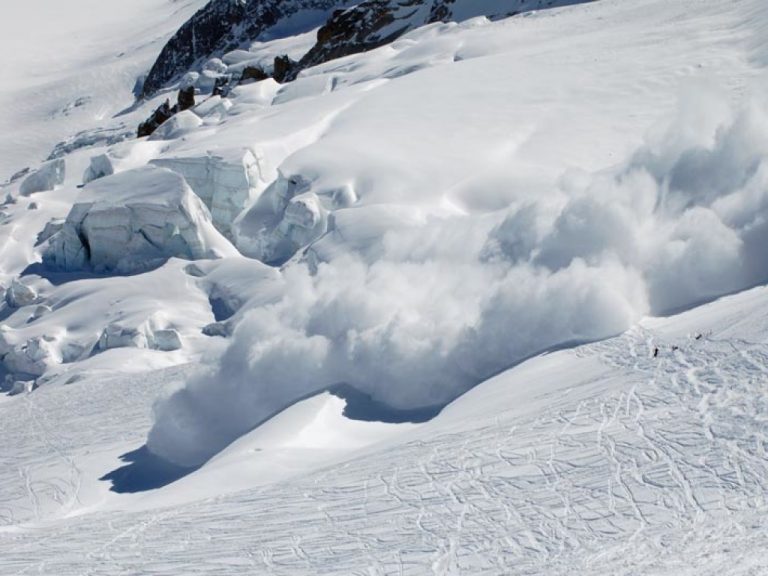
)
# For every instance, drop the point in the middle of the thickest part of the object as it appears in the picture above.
(620, 464)
(657, 466)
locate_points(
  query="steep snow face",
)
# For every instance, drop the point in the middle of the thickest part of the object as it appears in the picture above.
(224, 25)
(226, 181)
(133, 222)
(47, 177)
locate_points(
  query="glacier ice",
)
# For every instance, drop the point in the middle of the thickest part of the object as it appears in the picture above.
(19, 294)
(46, 178)
(286, 218)
(132, 222)
(225, 180)
(99, 167)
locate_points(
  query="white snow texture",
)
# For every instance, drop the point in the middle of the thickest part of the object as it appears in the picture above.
(444, 305)
(491, 299)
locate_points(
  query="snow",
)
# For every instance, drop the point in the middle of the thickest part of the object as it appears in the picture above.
(575, 255)
(132, 222)
(599, 459)
(225, 181)
(497, 224)
(74, 72)
(99, 167)
(46, 178)
(179, 125)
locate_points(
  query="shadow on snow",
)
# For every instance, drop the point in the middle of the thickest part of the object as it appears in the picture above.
(143, 471)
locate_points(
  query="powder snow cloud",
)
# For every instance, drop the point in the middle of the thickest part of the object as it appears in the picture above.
(429, 309)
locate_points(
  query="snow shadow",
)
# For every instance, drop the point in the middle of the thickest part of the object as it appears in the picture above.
(144, 471)
(58, 277)
(361, 406)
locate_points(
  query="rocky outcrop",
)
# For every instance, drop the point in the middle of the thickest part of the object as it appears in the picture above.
(252, 73)
(364, 27)
(375, 23)
(165, 112)
(186, 98)
(224, 25)
(161, 115)
(284, 69)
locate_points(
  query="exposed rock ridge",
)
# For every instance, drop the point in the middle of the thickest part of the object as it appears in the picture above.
(220, 26)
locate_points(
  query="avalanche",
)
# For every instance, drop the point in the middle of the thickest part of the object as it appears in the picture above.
(473, 296)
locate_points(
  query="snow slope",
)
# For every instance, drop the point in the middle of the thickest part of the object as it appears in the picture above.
(65, 72)
(444, 222)
(596, 460)
(479, 225)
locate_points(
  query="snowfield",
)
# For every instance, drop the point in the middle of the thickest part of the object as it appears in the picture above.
(486, 300)
(596, 460)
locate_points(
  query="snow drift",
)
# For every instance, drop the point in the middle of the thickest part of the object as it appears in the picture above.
(426, 311)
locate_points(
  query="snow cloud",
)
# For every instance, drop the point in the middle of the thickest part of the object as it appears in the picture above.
(424, 312)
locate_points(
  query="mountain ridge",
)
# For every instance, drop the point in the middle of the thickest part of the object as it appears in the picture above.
(225, 25)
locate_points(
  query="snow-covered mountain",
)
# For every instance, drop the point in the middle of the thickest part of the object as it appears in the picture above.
(478, 288)
(375, 23)
(224, 25)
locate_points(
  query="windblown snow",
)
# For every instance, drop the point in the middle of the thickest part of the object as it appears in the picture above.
(486, 300)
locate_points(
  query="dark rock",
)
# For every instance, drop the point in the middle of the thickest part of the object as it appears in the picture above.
(160, 115)
(364, 27)
(253, 73)
(222, 86)
(284, 69)
(186, 98)
(223, 25)
(375, 23)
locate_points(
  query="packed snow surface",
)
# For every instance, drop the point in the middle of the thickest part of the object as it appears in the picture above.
(548, 229)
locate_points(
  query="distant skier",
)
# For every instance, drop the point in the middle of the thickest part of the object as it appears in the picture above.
(655, 351)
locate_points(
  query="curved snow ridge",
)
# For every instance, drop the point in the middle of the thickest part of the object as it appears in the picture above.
(312, 434)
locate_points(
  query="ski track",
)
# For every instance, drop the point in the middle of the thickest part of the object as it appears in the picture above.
(664, 459)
